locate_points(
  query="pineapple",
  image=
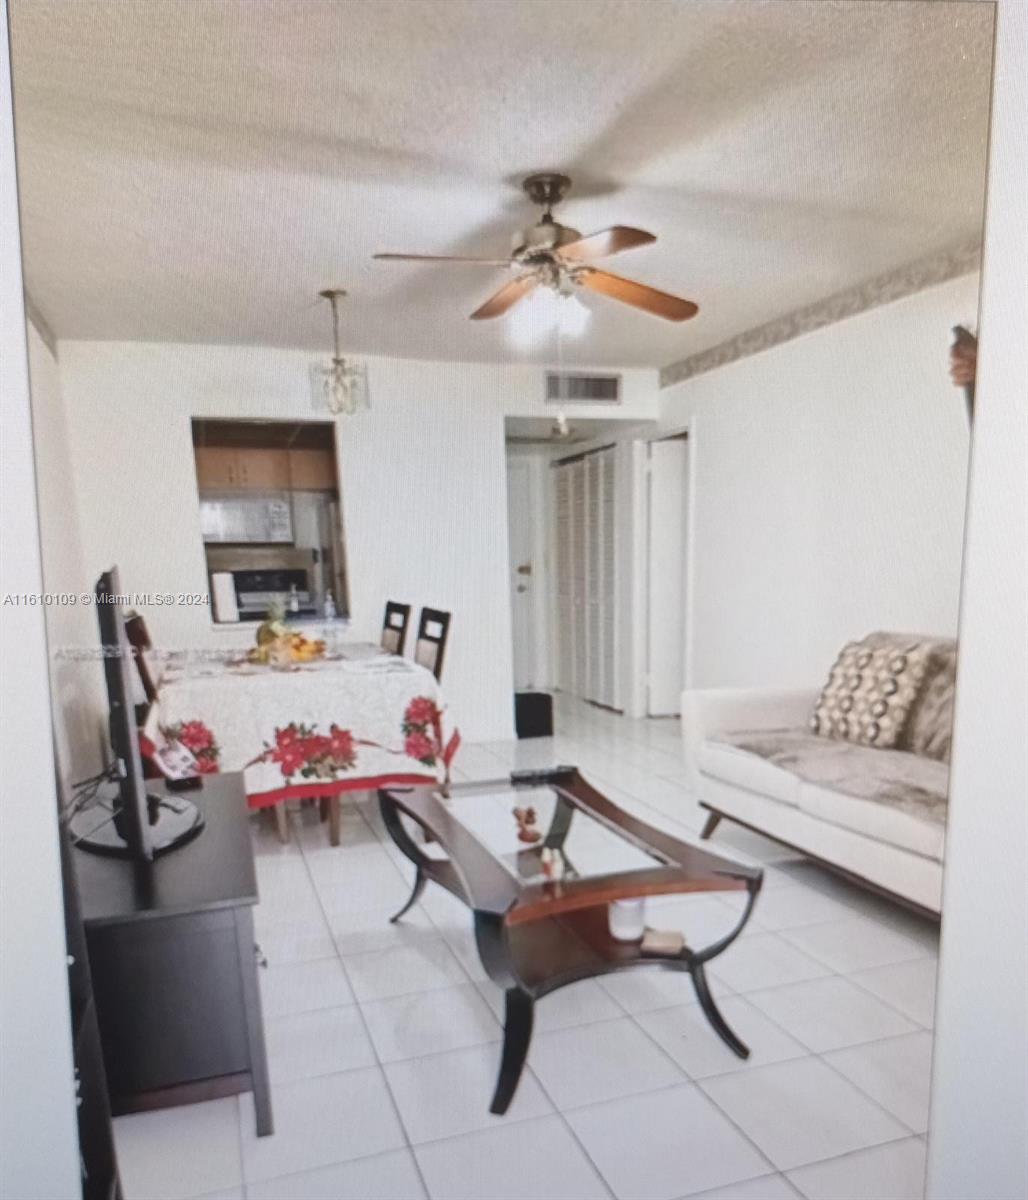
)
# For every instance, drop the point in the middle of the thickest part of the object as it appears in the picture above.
(274, 626)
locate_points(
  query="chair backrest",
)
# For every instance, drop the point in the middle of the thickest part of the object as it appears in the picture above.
(394, 627)
(139, 639)
(433, 630)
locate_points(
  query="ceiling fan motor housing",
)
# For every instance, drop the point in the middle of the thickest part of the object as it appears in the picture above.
(542, 239)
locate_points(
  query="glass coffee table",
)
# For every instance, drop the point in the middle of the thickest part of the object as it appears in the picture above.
(537, 932)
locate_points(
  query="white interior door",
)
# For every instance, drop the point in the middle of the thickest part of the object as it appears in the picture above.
(522, 572)
(666, 534)
(586, 579)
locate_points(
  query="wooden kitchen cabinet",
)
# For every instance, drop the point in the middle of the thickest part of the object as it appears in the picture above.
(264, 469)
(216, 467)
(312, 470)
(226, 467)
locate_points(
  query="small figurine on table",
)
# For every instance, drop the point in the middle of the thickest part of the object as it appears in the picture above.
(526, 819)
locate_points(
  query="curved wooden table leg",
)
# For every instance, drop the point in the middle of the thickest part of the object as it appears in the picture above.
(517, 1033)
(713, 1013)
(420, 879)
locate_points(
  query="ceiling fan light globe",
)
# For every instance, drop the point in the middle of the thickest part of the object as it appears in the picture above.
(573, 315)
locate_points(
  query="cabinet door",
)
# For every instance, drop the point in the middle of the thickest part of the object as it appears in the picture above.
(313, 470)
(216, 467)
(262, 469)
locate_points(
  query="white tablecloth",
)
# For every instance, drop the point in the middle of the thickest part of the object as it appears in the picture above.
(358, 719)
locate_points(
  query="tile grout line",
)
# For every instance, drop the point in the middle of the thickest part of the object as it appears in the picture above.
(367, 1032)
(820, 1056)
(695, 1083)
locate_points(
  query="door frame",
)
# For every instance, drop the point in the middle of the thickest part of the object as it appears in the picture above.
(687, 433)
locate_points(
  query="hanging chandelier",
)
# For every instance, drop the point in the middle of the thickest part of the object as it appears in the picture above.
(342, 385)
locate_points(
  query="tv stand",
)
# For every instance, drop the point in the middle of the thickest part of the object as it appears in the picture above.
(173, 963)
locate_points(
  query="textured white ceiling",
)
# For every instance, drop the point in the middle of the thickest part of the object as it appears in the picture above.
(196, 171)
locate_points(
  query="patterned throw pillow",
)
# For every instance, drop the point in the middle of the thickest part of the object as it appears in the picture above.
(871, 689)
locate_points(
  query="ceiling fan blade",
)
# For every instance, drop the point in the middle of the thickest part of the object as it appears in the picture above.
(505, 298)
(660, 304)
(607, 241)
(456, 258)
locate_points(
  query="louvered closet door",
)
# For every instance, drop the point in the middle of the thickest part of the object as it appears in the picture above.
(565, 595)
(608, 612)
(594, 599)
(579, 580)
(587, 578)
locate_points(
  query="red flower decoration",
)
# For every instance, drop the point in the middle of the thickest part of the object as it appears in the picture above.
(195, 736)
(340, 743)
(417, 745)
(315, 755)
(199, 741)
(422, 710)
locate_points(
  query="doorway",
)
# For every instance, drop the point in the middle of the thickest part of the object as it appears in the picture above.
(667, 492)
(526, 565)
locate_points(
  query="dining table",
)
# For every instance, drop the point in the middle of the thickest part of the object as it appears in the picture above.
(357, 718)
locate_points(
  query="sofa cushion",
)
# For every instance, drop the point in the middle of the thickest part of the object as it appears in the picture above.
(905, 826)
(930, 723)
(891, 795)
(721, 757)
(870, 690)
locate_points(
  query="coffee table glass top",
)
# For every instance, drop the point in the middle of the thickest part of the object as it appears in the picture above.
(588, 849)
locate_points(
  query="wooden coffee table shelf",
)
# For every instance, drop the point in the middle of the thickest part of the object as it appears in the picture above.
(535, 935)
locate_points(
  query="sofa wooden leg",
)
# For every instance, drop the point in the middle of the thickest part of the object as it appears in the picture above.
(282, 822)
(712, 822)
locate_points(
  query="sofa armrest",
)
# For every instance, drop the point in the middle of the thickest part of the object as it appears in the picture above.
(718, 710)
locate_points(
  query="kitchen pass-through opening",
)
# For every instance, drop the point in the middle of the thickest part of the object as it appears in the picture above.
(270, 519)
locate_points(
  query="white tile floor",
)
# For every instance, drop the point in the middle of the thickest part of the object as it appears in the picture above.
(383, 1040)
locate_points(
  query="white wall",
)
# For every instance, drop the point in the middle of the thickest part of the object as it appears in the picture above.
(39, 1156)
(76, 685)
(978, 1125)
(827, 491)
(422, 476)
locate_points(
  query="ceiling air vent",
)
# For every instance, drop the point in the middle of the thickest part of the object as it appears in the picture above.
(569, 387)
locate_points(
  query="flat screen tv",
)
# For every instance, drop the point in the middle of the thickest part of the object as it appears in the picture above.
(141, 825)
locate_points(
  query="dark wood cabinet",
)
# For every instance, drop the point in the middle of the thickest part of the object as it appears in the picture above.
(173, 964)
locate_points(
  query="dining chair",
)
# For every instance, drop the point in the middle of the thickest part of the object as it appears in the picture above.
(139, 639)
(394, 627)
(430, 645)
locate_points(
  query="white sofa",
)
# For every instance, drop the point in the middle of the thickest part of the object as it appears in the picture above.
(875, 815)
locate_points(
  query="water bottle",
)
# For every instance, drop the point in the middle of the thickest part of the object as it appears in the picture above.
(330, 607)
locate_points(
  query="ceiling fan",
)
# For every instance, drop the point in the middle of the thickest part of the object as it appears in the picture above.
(556, 256)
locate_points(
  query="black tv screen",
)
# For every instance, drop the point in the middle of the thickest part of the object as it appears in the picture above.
(141, 825)
(133, 825)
